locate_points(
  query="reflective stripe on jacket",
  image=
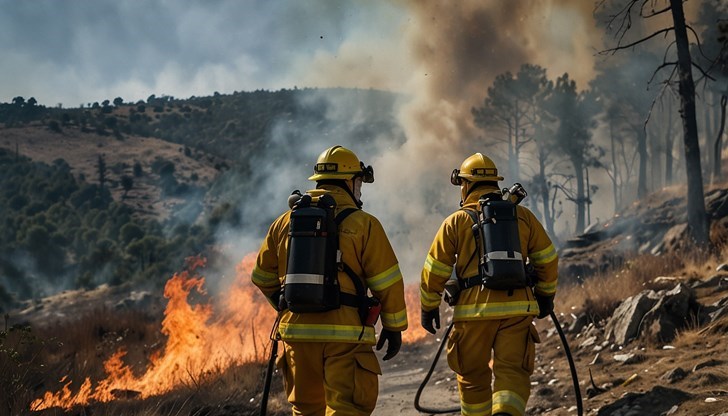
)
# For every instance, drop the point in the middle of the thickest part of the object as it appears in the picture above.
(365, 249)
(454, 249)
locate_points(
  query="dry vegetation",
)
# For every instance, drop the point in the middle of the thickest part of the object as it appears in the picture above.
(41, 359)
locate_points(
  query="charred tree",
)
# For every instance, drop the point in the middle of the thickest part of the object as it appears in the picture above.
(698, 221)
(718, 144)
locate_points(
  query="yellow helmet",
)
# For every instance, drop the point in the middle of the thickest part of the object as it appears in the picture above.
(340, 163)
(476, 168)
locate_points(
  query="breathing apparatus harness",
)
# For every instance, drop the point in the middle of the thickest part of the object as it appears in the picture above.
(314, 260)
(500, 266)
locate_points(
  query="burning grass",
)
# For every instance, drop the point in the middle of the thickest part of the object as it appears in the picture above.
(203, 349)
(204, 356)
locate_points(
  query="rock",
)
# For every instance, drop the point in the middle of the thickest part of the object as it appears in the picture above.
(596, 360)
(630, 358)
(579, 324)
(588, 342)
(660, 280)
(658, 400)
(717, 280)
(674, 375)
(624, 324)
(672, 410)
(717, 310)
(671, 313)
(705, 364)
(656, 315)
(675, 238)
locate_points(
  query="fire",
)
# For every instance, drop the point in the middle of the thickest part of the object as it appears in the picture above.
(200, 340)
(414, 331)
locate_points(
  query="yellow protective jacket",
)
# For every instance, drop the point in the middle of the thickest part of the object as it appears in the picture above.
(365, 249)
(454, 247)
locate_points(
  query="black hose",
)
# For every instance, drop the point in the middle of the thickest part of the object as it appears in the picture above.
(274, 337)
(268, 377)
(427, 378)
(572, 367)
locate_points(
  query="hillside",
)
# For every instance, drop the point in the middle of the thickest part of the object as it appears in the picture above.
(82, 149)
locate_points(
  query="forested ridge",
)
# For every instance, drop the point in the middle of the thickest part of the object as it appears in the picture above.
(63, 229)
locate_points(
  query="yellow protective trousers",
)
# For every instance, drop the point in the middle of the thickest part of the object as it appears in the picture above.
(512, 343)
(330, 378)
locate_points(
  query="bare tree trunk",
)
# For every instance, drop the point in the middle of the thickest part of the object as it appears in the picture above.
(642, 151)
(580, 196)
(668, 146)
(698, 222)
(615, 172)
(718, 145)
(516, 149)
(655, 159)
(588, 197)
(707, 131)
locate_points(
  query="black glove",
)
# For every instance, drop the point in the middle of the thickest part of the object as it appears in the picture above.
(427, 318)
(278, 300)
(545, 304)
(394, 342)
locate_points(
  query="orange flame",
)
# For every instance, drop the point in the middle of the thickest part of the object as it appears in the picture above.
(414, 331)
(200, 341)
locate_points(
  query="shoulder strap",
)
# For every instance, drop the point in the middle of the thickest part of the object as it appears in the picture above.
(343, 214)
(476, 235)
(473, 215)
(360, 301)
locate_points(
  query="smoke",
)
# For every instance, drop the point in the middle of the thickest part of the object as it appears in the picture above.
(456, 50)
(447, 57)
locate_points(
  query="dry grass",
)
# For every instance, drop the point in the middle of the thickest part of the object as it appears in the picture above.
(599, 295)
(33, 361)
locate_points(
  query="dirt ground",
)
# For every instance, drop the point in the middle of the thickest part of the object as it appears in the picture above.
(623, 387)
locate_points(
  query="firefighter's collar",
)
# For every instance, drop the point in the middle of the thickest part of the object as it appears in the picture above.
(474, 196)
(342, 198)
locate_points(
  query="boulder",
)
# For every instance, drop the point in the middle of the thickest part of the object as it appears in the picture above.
(624, 324)
(655, 315)
(672, 312)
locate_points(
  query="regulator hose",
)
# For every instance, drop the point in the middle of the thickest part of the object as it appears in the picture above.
(271, 363)
(268, 376)
(427, 378)
(572, 366)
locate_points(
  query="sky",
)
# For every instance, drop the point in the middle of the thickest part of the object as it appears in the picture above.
(74, 52)
(441, 55)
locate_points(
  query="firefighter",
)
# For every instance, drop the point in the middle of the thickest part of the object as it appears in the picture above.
(328, 362)
(488, 324)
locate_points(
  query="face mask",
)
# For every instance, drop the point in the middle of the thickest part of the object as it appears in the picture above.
(357, 188)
